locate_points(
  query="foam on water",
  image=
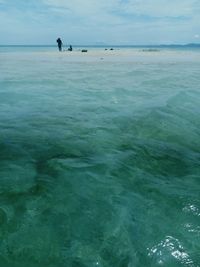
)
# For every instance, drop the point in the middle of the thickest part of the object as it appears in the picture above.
(99, 162)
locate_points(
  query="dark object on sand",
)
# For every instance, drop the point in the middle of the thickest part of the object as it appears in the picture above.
(70, 48)
(84, 51)
(106, 48)
(111, 49)
(150, 50)
(59, 41)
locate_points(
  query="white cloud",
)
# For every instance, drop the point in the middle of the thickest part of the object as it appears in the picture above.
(111, 21)
(157, 8)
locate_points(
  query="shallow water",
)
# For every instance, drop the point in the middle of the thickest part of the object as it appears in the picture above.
(99, 163)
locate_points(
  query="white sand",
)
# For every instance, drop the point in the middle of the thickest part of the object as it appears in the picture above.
(117, 55)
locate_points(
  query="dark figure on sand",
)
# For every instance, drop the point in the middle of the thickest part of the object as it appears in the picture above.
(70, 48)
(59, 44)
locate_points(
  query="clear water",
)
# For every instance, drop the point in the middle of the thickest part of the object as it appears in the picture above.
(99, 162)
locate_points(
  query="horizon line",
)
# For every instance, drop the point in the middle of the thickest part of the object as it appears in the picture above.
(54, 45)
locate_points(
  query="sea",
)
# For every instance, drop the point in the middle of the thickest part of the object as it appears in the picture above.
(99, 157)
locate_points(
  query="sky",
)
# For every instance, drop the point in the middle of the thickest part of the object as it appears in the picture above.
(123, 22)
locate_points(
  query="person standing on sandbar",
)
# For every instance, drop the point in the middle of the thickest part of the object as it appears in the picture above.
(59, 41)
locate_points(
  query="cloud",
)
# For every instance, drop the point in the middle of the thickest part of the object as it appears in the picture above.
(84, 21)
(160, 8)
(154, 8)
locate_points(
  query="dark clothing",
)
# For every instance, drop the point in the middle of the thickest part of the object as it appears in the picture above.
(59, 44)
(70, 48)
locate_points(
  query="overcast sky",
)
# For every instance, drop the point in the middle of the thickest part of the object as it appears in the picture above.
(99, 21)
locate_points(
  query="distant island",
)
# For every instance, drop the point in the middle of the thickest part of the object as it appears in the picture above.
(180, 45)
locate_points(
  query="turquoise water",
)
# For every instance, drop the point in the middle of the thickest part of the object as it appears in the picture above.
(99, 163)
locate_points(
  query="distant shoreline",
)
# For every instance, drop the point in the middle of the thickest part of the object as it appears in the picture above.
(192, 45)
(134, 55)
